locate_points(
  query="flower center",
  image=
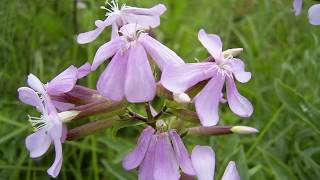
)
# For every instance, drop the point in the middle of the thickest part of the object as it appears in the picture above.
(39, 123)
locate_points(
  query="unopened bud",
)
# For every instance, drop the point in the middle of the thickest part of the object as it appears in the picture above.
(244, 130)
(67, 116)
(232, 52)
(182, 98)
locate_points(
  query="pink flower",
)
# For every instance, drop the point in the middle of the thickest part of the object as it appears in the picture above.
(297, 6)
(65, 83)
(129, 73)
(314, 14)
(48, 128)
(118, 17)
(159, 156)
(225, 68)
(203, 161)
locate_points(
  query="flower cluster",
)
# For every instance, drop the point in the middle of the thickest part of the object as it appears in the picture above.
(129, 78)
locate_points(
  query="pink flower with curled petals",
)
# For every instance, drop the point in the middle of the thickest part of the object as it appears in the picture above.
(48, 129)
(225, 68)
(129, 71)
(203, 161)
(120, 16)
(159, 156)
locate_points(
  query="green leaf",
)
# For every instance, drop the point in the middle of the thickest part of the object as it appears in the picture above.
(296, 103)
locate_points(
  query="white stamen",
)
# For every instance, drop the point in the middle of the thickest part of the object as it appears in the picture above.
(39, 123)
(112, 7)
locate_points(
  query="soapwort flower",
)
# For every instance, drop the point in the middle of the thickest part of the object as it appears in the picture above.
(225, 68)
(313, 12)
(48, 128)
(120, 16)
(203, 161)
(129, 73)
(159, 156)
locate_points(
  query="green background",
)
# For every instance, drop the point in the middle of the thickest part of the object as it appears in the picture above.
(282, 52)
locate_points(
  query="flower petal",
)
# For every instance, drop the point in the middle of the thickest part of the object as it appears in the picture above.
(212, 43)
(140, 85)
(38, 143)
(238, 70)
(208, 99)
(158, 9)
(106, 51)
(297, 6)
(87, 37)
(314, 14)
(181, 153)
(143, 20)
(29, 96)
(64, 134)
(146, 168)
(161, 54)
(134, 158)
(114, 77)
(84, 70)
(64, 82)
(237, 103)
(180, 78)
(231, 172)
(166, 166)
(55, 168)
(203, 161)
(62, 106)
(35, 83)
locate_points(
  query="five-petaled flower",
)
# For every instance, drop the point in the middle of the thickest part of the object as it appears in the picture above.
(48, 128)
(159, 156)
(224, 68)
(129, 73)
(118, 17)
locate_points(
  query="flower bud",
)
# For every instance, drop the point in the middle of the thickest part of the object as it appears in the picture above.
(182, 98)
(67, 116)
(244, 130)
(232, 52)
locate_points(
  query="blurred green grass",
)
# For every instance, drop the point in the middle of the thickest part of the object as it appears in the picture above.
(282, 52)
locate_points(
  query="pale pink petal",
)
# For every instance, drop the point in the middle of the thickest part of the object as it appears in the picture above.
(158, 10)
(106, 51)
(64, 82)
(64, 134)
(38, 143)
(111, 81)
(237, 103)
(55, 168)
(134, 158)
(166, 166)
(111, 19)
(62, 106)
(297, 6)
(140, 85)
(143, 20)
(180, 78)
(35, 83)
(238, 69)
(84, 70)
(208, 99)
(161, 54)
(57, 128)
(146, 168)
(181, 153)
(114, 31)
(29, 96)
(314, 14)
(212, 43)
(231, 172)
(89, 36)
(203, 161)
